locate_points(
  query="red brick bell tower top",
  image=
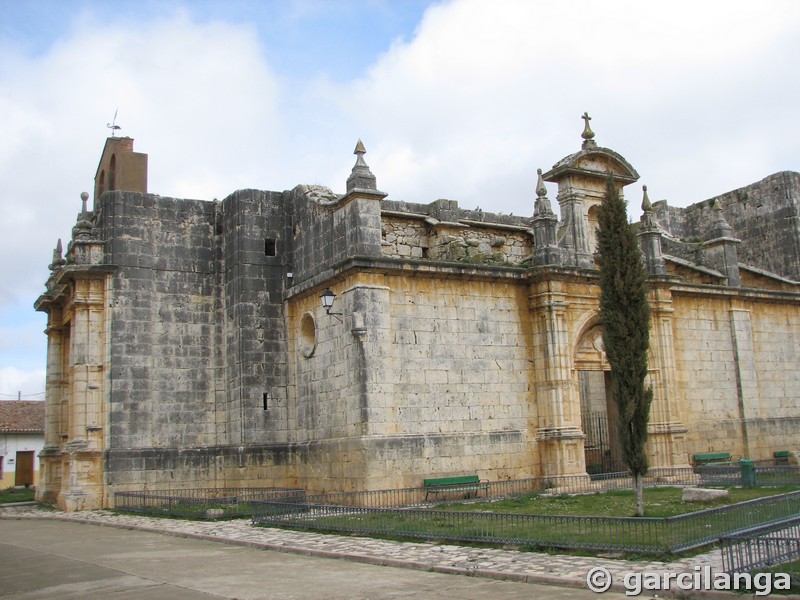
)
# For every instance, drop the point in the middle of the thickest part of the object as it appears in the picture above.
(120, 168)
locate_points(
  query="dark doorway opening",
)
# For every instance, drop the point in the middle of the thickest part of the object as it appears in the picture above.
(599, 424)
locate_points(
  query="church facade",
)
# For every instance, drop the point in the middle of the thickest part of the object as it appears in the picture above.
(350, 341)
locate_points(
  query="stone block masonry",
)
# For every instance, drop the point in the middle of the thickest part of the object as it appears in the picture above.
(163, 320)
(764, 216)
(188, 347)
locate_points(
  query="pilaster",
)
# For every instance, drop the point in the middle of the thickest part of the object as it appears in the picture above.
(744, 361)
(574, 236)
(558, 429)
(666, 444)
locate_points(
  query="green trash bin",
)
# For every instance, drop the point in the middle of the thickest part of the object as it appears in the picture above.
(747, 470)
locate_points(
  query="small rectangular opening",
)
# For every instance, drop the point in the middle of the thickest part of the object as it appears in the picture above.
(270, 247)
(266, 400)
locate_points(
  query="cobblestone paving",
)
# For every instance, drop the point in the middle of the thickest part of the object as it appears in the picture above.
(445, 558)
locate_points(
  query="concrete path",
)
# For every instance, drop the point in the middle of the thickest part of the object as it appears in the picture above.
(46, 554)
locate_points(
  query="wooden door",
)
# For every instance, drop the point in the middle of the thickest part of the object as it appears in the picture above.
(24, 468)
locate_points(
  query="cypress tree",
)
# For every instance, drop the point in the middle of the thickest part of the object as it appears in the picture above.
(625, 314)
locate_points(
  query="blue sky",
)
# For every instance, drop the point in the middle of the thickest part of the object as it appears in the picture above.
(460, 99)
(334, 38)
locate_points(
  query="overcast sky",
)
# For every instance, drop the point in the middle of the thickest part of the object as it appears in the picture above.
(460, 99)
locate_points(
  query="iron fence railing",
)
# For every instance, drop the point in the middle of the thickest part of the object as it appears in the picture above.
(203, 503)
(578, 532)
(576, 484)
(765, 473)
(773, 548)
(645, 535)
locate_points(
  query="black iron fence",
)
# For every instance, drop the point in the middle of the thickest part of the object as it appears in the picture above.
(749, 473)
(216, 503)
(646, 535)
(575, 484)
(773, 548)
(203, 503)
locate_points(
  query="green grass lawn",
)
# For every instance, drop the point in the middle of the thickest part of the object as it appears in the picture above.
(659, 502)
(17, 495)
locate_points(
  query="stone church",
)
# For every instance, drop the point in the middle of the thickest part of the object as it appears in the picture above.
(349, 341)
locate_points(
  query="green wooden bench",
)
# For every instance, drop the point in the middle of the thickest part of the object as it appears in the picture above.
(462, 483)
(704, 458)
(781, 457)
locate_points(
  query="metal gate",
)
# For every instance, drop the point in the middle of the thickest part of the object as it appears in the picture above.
(602, 452)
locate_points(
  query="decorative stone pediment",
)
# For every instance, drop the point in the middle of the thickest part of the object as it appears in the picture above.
(582, 180)
(594, 162)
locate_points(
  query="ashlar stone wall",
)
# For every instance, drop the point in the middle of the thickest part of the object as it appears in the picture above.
(163, 314)
(735, 359)
(417, 375)
(253, 243)
(459, 351)
(765, 216)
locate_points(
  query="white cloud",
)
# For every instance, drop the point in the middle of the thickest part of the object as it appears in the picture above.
(15, 382)
(200, 99)
(691, 93)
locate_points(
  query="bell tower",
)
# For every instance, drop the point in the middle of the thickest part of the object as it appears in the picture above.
(120, 168)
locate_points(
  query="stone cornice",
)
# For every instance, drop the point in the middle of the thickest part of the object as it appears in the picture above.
(469, 272)
(693, 289)
(57, 284)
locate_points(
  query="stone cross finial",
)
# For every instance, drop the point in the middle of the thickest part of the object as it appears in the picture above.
(588, 134)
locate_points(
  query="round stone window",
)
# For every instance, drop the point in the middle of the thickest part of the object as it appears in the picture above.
(308, 335)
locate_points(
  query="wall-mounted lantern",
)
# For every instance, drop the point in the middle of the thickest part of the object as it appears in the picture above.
(328, 298)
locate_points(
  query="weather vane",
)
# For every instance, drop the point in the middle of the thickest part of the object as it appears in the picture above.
(113, 125)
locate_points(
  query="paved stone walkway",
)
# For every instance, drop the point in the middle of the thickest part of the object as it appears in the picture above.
(444, 558)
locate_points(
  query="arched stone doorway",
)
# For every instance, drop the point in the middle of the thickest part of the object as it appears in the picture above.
(598, 409)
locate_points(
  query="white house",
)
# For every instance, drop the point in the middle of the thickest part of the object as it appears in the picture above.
(21, 440)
